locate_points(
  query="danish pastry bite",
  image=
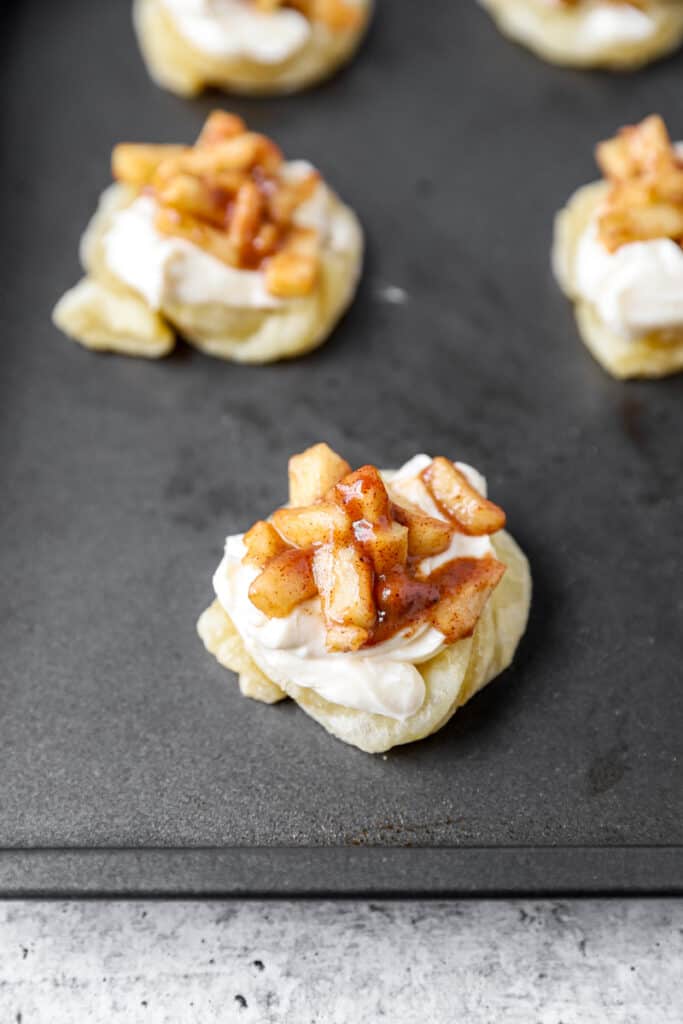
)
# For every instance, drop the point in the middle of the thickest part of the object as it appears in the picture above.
(618, 253)
(379, 601)
(614, 34)
(247, 46)
(247, 256)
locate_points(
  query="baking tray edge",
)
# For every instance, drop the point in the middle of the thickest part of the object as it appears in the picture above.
(324, 872)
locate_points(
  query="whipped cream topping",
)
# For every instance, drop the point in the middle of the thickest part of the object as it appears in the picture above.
(605, 24)
(382, 679)
(635, 290)
(233, 29)
(600, 24)
(167, 270)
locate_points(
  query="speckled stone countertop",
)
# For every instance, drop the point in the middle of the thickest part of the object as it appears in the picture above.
(573, 962)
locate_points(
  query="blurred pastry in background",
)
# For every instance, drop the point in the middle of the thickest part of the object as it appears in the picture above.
(249, 257)
(618, 253)
(617, 34)
(247, 46)
(380, 601)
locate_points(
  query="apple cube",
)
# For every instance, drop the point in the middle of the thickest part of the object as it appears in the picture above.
(263, 542)
(471, 583)
(136, 163)
(305, 527)
(474, 514)
(385, 544)
(285, 582)
(364, 495)
(220, 126)
(313, 473)
(345, 638)
(427, 536)
(345, 583)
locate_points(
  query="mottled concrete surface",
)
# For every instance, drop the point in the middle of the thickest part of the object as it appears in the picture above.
(534, 963)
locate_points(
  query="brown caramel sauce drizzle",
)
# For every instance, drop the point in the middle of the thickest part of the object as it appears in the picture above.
(405, 600)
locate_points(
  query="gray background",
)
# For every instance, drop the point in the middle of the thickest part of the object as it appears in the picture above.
(122, 477)
(332, 963)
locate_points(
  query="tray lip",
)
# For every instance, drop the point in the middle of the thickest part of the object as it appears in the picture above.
(361, 872)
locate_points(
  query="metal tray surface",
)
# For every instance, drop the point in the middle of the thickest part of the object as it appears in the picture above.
(129, 762)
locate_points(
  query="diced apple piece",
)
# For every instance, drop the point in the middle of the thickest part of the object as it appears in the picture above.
(321, 523)
(263, 542)
(670, 184)
(291, 275)
(635, 149)
(385, 544)
(313, 472)
(471, 581)
(649, 142)
(191, 196)
(246, 218)
(345, 583)
(220, 125)
(283, 202)
(621, 225)
(427, 536)
(614, 158)
(216, 242)
(364, 495)
(136, 164)
(345, 638)
(285, 582)
(474, 514)
(239, 153)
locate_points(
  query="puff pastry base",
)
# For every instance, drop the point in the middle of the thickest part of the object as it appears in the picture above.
(554, 35)
(656, 354)
(103, 313)
(451, 678)
(175, 64)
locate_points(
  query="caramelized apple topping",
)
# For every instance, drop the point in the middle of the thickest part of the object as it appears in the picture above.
(285, 582)
(645, 172)
(228, 195)
(461, 502)
(346, 540)
(337, 15)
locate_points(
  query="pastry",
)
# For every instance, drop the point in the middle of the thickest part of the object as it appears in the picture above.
(616, 34)
(247, 256)
(618, 254)
(379, 601)
(247, 46)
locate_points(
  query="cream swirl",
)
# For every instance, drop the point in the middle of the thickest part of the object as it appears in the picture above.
(233, 29)
(594, 24)
(635, 290)
(382, 679)
(604, 24)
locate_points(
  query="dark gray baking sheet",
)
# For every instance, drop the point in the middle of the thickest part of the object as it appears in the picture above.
(128, 760)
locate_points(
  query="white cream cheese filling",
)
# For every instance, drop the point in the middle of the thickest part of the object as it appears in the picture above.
(606, 24)
(166, 270)
(383, 679)
(635, 290)
(233, 29)
(596, 25)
